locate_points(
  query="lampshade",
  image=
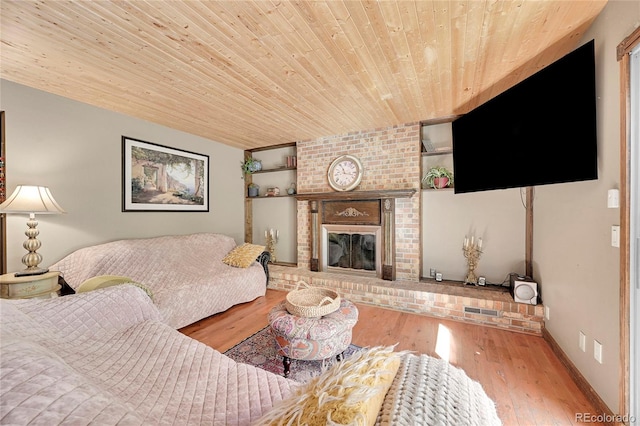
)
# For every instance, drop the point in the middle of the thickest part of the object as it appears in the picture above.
(31, 199)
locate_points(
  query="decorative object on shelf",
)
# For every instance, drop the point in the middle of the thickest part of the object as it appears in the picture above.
(292, 161)
(250, 165)
(272, 192)
(292, 188)
(437, 178)
(345, 173)
(253, 190)
(472, 251)
(428, 145)
(28, 199)
(272, 237)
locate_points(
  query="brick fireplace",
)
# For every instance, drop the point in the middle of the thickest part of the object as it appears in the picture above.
(391, 160)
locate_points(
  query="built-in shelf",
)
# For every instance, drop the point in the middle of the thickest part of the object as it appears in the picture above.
(275, 169)
(287, 264)
(278, 171)
(437, 152)
(448, 188)
(270, 196)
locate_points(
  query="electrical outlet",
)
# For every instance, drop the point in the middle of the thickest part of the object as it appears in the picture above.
(582, 342)
(597, 351)
(432, 272)
(547, 312)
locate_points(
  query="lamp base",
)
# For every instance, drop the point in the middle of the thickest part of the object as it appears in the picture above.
(30, 271)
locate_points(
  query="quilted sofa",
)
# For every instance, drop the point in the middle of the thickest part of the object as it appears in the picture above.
(185, 274)
(106, 358)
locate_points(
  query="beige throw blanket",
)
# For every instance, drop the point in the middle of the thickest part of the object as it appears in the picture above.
(185, 273)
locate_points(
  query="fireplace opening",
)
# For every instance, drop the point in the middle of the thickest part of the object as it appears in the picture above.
(352, 249)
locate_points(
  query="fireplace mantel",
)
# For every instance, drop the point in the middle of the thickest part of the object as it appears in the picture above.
(379, 209)
(357, 195)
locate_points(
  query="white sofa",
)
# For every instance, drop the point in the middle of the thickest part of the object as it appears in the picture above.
(185, 273)
(105, 358)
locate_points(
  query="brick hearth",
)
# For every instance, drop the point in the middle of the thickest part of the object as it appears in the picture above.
(451, 300)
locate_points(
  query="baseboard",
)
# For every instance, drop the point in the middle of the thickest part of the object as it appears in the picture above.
(578, 378)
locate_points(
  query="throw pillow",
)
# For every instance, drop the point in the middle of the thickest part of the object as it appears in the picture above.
(102, 281)
(350, 392)
(243, 256)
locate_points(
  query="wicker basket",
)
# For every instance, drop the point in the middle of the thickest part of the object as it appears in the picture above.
(311, 301)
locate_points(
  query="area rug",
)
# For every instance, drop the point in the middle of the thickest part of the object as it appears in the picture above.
(260, 350)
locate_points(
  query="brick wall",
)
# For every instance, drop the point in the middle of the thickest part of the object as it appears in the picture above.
(391, 160)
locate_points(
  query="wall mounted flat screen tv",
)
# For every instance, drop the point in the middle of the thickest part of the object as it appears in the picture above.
(541, 131)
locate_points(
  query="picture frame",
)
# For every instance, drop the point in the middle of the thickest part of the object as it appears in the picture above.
(158, 178)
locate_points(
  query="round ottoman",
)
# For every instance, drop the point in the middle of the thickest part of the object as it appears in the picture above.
(314, 338)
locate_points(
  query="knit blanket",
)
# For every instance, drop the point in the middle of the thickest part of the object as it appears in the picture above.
(430, 391)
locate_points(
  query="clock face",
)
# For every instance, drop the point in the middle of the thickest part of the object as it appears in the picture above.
(345, 173)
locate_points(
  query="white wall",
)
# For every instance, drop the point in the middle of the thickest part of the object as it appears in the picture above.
(75, 149)
(577, 268)
(498, 217)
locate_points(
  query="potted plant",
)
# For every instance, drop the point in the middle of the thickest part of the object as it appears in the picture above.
(253, 189)
(250, 165)
(437, 178)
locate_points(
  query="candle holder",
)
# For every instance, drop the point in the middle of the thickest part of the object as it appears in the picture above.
(272, 239)
(472, 252)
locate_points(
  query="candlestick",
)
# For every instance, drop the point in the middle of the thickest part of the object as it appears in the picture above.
(271, 241)
(472, 253)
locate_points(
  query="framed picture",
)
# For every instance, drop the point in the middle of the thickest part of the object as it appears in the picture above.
(162, 179)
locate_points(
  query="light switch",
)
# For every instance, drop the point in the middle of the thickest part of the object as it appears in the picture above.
(615, 235)
(613, 199)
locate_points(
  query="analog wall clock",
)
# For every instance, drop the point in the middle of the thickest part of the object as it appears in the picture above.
(345, 173)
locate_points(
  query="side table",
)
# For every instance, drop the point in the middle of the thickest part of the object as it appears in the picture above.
(41, 286)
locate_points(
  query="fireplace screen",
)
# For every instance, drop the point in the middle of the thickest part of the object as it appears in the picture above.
(352, 251)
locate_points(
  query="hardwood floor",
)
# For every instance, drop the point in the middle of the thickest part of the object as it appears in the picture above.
(519, 372)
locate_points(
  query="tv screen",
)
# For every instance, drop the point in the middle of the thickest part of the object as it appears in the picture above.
(541, 131)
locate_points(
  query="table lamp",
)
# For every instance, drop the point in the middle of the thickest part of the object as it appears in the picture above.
(27, 199)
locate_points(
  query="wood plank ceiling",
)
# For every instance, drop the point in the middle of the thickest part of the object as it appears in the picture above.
(257, 73)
